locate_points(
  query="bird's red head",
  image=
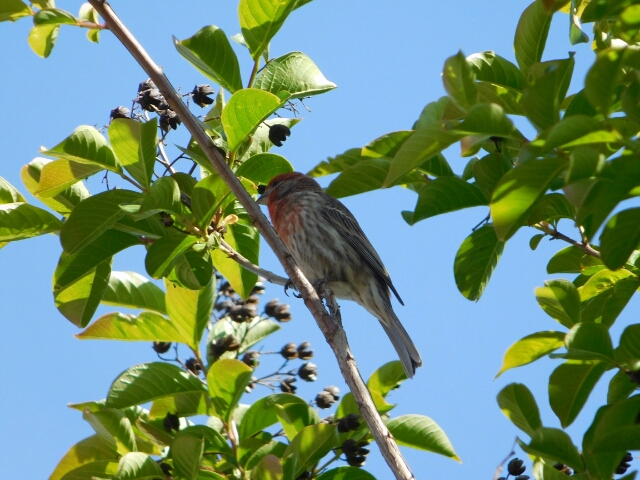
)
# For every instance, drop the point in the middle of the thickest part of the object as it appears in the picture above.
(285, 184)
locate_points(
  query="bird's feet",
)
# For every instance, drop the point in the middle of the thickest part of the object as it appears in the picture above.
(290, 285)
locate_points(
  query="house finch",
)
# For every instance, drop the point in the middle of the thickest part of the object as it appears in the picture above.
(328, 245)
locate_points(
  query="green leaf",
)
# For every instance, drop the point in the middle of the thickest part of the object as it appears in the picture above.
(149, 381)
(367, 175)
(21, 220)
(386, 378)
(9, 193)
(192, 270)
(443, 195)
(227, 379)
(488, 171)
(113, 426)
(617, 430)
(531, 35)
(579, 105)
(518, 191)
(574, 131)
(135, 145)
(268, 468)
(138, 466)
(422, 433)
(57, 176)
(566, 260)
(475, 261)
(294, 417)
(570, 385)
(555, 445)
(620, 387)
(260, 20)
(92, 217)
(210, 52)
(262, 413)
(163, 254)
(337, 164)
(543, 471)
(422, 145)
(551, 208)
(386, 145)
(255, 331)
(273, 448)
(602, 79)
(43, 38)
(91, 452)
(560, 299)
(294, 73)
(346, 473)
(442, 109)
(546, 85)
(246, 241)
(182, 405)
(190, 310)
(590, 338)
(54, 16)
(13, 10)
(263, 167)
(606, 294)
(132, 290)
(491, 67)
(508, 99)
(186, 453)
(78, 301)
(62, 203)
(629, 349)
(243, 113)
(86, 145)
(519, 406)
(460, 81)
(621, 236)
(487, 119)
(147, 326)
(71, 267)
(312, 444)
(531, 348)
(207, 197)
(535, 240)
(214, 442)
(163, 196)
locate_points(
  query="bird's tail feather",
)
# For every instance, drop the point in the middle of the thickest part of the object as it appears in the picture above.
(407, 351)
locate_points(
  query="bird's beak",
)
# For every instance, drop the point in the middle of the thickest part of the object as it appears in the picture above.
(264, 198)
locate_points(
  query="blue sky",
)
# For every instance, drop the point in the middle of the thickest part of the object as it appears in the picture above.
(386, 58)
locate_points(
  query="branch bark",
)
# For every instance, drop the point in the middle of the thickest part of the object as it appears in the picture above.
(330, 325)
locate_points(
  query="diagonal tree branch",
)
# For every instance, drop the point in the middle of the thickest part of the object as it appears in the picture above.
(330, 325)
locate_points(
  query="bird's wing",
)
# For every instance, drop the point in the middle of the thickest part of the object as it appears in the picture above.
(347, 225)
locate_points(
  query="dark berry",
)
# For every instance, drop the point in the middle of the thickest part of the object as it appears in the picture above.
(282, 313)
(356, 461)
(120, 112)
(334, 391)
(304, 352)
(200, 95)
(258, 289)
(171, 422)
(634, 376)
(161, 347)
(349, 447)
(287, 385)
(563, 468)
(193, 366)
(278, 133)
(522, 477)
(308, 372)
(349, 423)
(169, 119)
(251, 358)
(224, 344)
(324, 399)
(149, 100)
(516, 467)
(242, 313)
(165, 467)
(289, 351)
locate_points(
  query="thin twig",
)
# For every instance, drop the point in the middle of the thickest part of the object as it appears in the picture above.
(269, 276)
(585, 247)
(329, 324)
(256, 65)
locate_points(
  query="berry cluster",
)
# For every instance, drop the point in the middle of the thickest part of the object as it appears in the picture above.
(624, 464)
(328, 396)
(349, 423)
(355, 452)
(516, 468)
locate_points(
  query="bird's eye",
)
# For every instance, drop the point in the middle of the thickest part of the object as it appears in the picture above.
(261, 189)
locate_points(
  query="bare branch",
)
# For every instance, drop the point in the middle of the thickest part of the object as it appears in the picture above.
(585, 247)
(269, 276)
(329, 325)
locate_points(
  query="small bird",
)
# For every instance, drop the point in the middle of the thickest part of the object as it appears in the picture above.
(328, 245)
